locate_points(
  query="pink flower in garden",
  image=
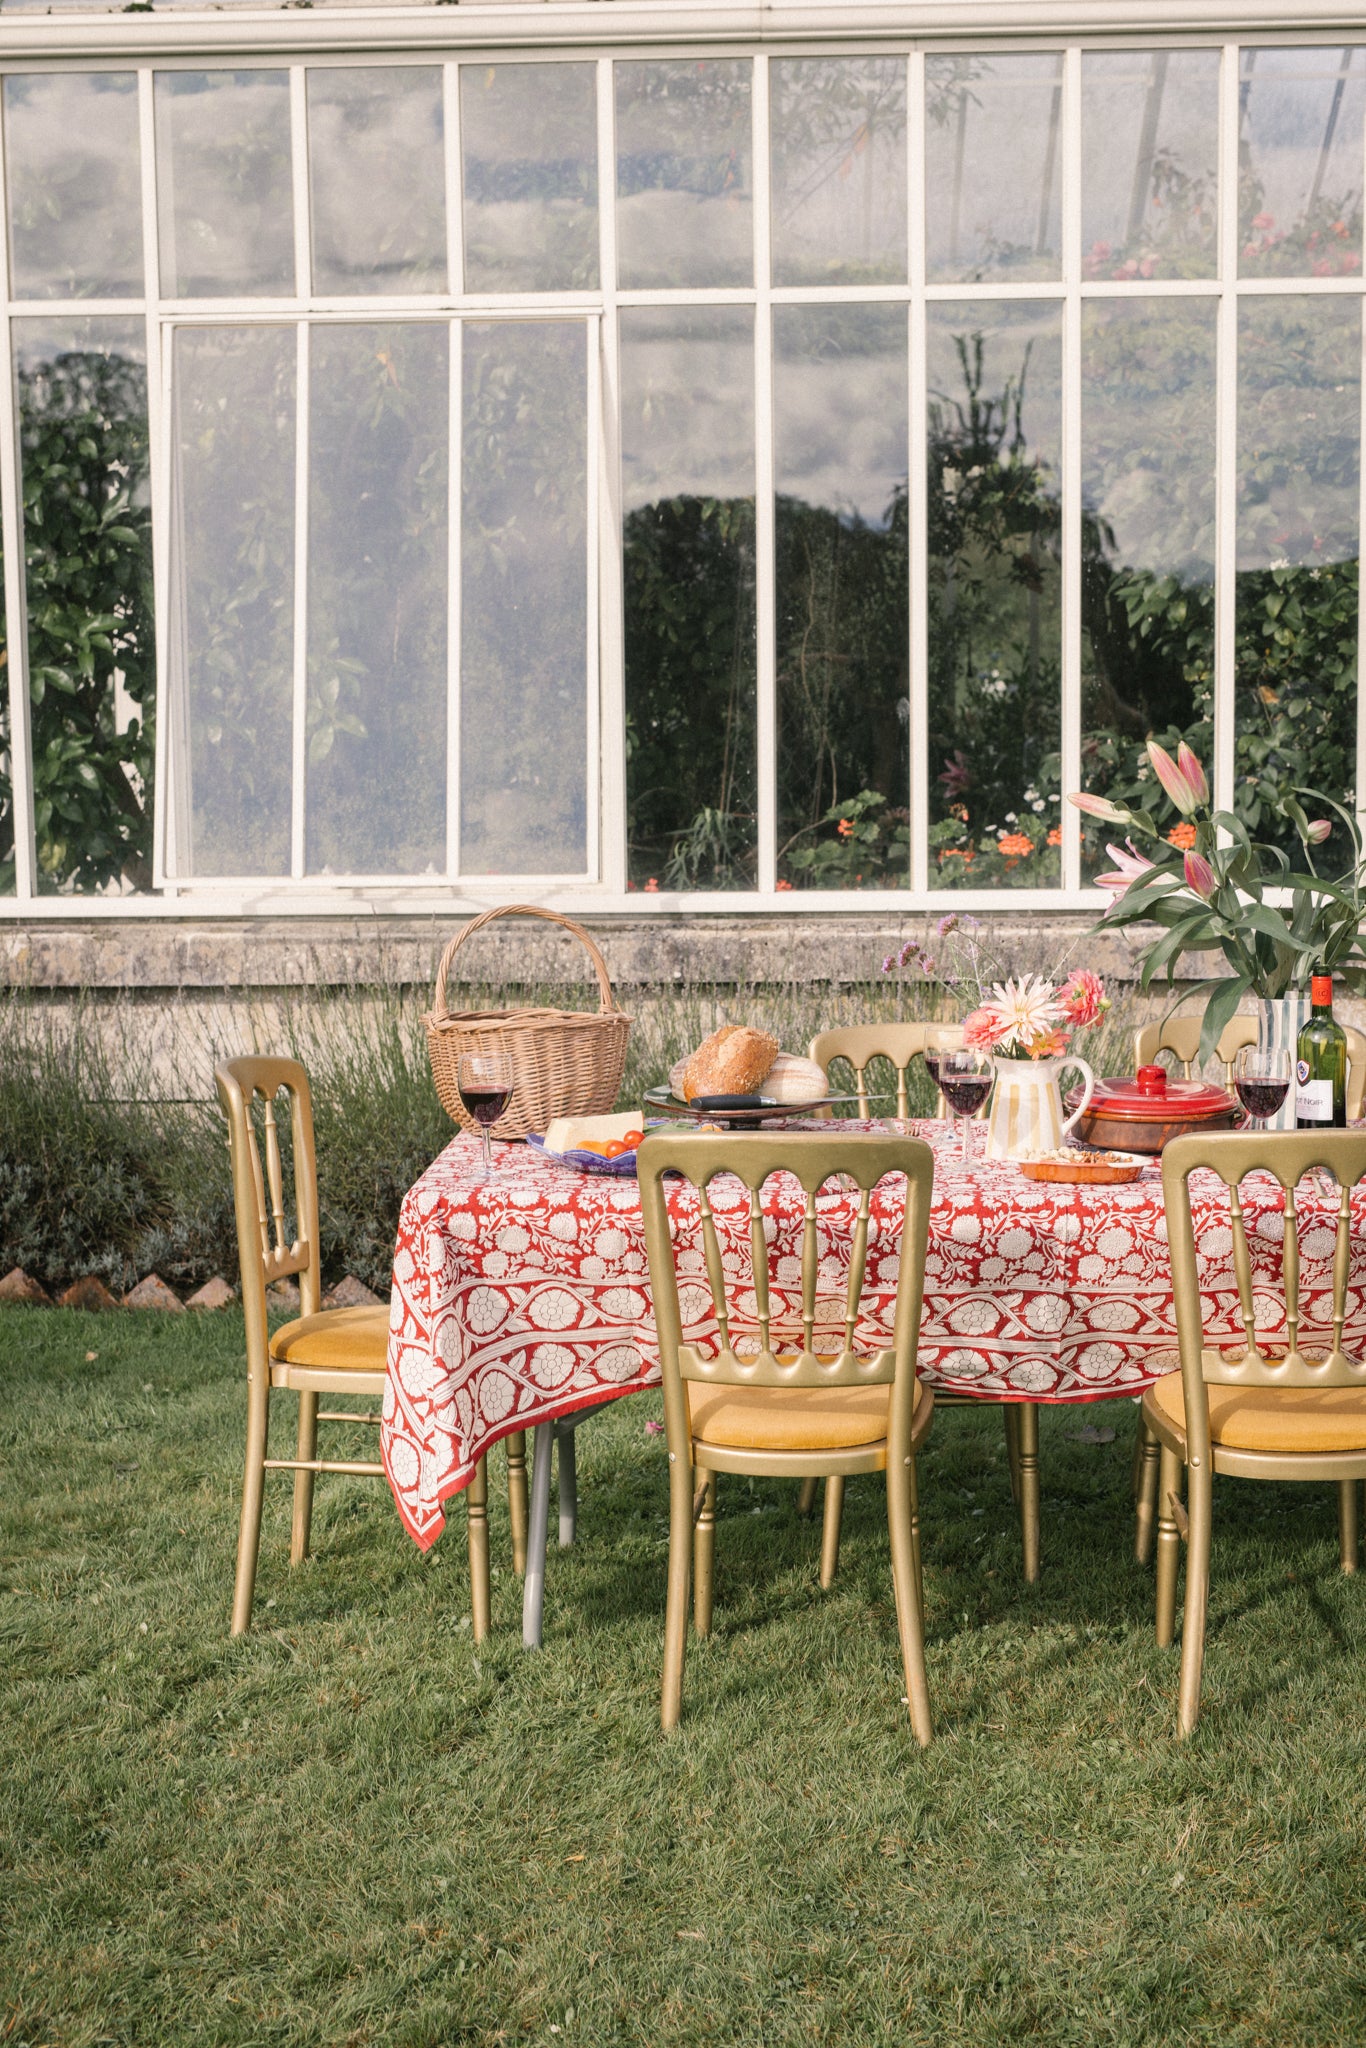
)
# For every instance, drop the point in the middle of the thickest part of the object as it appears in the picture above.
(1173, 779)
(1189, 764)
(1083, 996)
(982, 1029)
(1129, 867)
(1200, 875)
(1263, 221)
(1098, 807)
(1320, 829)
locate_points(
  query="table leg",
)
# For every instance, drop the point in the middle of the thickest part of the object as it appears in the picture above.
(569, 1484)
(1029, 1488)
(533, 1594)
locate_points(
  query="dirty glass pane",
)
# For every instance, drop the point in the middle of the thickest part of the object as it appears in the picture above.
(1299, 463)
(529, 139)
(75, 195)
(82, 388)
(377, 178)
(232, 643)
(524, 680)
(1149, 141)
(7, 874)
(684, 207)
(993, 157)
(1148, 543)
(995, 593)
(375, 788)
(687, 437)
(1299, 162)
(224, 184)
(838, 129)
(840, 452)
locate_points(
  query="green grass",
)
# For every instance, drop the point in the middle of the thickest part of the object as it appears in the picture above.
(353, 1827)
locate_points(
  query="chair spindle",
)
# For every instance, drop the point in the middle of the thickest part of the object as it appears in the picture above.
(716, 1275)
(1242, 1267)
(758, 1250)
(1292, 1272)
(858, 1260)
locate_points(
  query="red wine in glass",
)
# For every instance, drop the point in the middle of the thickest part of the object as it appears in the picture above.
(931, 1059)
(1261, 1098)
(485, 1105)
(1262, 1081)
(965, 1093)
(485, 1083)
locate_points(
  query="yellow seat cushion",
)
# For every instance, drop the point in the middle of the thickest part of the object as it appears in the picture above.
(1288, 1419)
(789, 1418)
(340, 1339)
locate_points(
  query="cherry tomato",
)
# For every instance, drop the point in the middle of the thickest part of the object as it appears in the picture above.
(614, 1149)
(632, 1139)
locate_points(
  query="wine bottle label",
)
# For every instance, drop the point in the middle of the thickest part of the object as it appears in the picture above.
(1313, 1099)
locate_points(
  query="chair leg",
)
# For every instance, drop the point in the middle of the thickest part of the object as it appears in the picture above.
(1199, 1502)
(915, 1536)
(806, 1496)
(676, 1608)
(533, 1590)
(1147, 1452)
(703, 1559)
(1028, 1427)
(249, 1528)
(1168, 1545)
(567, 1465)
(831, 1522)
(303, 1481)
(1010, 1416)
(516, 1444)
(477, 1495)
(1347, 1523)
(910, 1618)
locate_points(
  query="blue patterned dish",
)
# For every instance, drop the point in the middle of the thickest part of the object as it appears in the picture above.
(623, 1168)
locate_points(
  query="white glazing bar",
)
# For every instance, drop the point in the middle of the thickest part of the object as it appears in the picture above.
(300, 734)
(455, 183)
(611, 680)
(1070, 818)
(1359, 793)
(917, 510)
(158, 449)
(454, 587)
(593, 482)
(1226, 438)
(765, 577)
(16, 635)
(298, 157)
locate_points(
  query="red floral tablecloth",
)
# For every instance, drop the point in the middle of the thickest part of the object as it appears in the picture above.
(525, 1297)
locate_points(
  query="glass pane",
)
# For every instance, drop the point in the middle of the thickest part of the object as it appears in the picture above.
(840, 426)
(91, 641)
(7, 875)
(75, 193)
(378, 179)
(687, 437)
(524, 599)
(377, 554)
(1299, 412)
(233, 569)
(1148, 543)
(994, 593)
(684, 211)
(839, 170)
(1149, 141)
(224, 185)
(529, 137)
(993, 148)
(1299, 162)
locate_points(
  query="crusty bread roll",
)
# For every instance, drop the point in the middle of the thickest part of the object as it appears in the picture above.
(733, 1061)
(794, 1081)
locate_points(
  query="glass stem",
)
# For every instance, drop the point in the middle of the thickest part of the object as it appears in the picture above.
(488, 1152)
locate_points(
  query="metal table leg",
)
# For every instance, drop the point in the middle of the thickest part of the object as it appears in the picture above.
(533, 1592)
(569, 1484)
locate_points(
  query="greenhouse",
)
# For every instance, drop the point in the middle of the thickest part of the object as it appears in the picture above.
(665, 458)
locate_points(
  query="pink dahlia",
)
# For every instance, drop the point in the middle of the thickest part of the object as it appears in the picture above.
(1083, 997)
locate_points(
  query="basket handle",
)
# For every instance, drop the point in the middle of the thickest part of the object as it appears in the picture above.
(606, 1000)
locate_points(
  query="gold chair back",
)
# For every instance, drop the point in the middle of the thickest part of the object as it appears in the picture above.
(267, 1251)
(859, 1044)
(1181, 1035)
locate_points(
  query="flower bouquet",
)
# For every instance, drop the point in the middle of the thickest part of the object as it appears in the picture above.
(1209, 886)
(1026, 1026)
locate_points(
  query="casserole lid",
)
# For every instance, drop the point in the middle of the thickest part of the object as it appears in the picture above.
(1153, 1095)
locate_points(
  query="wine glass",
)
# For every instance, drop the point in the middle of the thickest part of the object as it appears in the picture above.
(965, 1078)
(1262, 1079)
(485, 1083)
(939, 1039)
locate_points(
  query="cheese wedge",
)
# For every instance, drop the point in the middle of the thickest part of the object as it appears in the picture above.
(567, 1133)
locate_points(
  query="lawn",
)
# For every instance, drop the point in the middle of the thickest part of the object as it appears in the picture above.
(353, 1827)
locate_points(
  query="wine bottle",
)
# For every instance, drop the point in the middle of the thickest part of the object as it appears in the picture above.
(1321, 1064)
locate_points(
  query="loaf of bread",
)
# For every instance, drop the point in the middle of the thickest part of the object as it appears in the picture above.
(733, 1061)
(794, 1081)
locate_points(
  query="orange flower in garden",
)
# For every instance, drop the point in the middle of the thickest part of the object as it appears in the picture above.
(1182, 836)
(1055, 836)
(784, 885)
(1015, 845)
(845, 828)
(652, 887)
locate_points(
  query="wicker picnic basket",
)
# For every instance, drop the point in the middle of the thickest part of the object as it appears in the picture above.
(564, 1062)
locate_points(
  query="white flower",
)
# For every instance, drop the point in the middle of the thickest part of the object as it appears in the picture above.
(1027, 1007)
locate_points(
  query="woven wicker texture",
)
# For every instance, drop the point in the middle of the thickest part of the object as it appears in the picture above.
(564, 1062)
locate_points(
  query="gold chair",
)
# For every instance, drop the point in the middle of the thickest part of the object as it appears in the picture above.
(1292, 1413)
(790, 1411)
(323, 1351)
(1181, 1036)
(859, 1044)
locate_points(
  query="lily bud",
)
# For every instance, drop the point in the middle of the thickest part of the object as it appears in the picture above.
(1190, 767)
(1319, 830)
(1199, 875)
(1099, 807)
(1173, 779)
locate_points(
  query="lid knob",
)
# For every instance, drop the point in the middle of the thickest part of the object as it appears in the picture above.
(1152, 1080)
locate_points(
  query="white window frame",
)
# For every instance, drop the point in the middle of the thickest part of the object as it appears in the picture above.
(602, 32)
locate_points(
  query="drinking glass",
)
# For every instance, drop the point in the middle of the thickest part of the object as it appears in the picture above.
(485, 1083)
(1262, 1079)
(939, 1039)
(965, 1078)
